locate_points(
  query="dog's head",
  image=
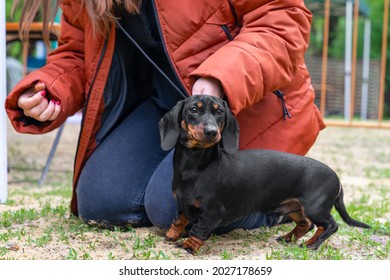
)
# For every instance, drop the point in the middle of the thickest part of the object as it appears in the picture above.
(199, 121)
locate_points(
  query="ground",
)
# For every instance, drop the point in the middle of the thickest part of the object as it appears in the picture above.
(35, 222)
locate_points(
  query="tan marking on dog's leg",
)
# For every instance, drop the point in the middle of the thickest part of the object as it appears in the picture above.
(294, 210)
(192, 244)
(177, 228)
(320, 230)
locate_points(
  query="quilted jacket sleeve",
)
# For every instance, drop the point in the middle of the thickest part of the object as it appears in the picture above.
(63, 76)
(266, 53)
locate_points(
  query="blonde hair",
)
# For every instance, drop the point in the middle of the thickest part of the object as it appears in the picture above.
(100, 12)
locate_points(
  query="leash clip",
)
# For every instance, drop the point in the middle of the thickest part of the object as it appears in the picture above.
(280, 94)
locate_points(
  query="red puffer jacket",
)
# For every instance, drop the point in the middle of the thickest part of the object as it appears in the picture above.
(252, 46)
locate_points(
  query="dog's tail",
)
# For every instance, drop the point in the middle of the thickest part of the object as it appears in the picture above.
(340, 207)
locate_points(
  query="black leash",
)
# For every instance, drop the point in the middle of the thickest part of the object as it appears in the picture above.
(134, 42)
(278, 93)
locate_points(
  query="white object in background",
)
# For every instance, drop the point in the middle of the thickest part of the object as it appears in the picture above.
(3, 119)
(366, 68)
(348, 58)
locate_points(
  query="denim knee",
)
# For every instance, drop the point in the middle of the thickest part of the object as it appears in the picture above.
(104, 200)
(160, 205)
(104, 212)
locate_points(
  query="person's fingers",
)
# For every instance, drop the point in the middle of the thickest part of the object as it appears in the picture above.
(39, 86)
(38, 109)
(28, 101)
(34, 104)
(57, 110)
(48, 112)
(24, 100)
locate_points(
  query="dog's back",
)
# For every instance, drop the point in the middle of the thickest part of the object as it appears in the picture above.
(250, 181)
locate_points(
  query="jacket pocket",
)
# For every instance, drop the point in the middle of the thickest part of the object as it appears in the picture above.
(224, 18)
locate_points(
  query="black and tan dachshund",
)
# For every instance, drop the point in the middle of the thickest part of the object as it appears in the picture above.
(215, 184)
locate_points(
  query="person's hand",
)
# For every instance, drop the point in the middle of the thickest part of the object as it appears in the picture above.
(34, 104)
(208, 86)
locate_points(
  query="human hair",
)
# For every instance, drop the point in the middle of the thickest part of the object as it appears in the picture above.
(100, 12)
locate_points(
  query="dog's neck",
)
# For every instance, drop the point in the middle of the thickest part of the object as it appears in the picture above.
(195, 158)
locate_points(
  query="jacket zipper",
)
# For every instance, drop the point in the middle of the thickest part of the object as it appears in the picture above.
(225, 29)
(165, 49)
(89, 94)
(280, 95)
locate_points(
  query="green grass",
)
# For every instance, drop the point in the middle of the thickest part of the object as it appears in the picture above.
(37, 218)
(82, 241)
(377, 172)
(293, 252)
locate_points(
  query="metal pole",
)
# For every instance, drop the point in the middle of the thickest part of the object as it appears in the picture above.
(325, 57)
(51, 155)
(3, 119)
(366, 69)
(354, 58)
(348, 59)
(383, 66)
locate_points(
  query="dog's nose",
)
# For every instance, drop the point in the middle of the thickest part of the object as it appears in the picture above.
(210, 132)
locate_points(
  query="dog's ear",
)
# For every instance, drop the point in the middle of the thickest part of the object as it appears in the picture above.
(231, 131)
(169, 127)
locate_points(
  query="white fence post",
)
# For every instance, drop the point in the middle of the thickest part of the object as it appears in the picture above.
(366, 69)
(348, 58)
(3, 119)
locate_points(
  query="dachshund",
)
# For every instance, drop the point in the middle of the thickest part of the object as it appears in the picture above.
(215, 184)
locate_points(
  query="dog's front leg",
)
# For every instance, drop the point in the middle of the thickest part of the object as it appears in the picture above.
(177, 228)
(201, 231)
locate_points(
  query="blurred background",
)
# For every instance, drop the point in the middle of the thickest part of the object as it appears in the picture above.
(348, 59)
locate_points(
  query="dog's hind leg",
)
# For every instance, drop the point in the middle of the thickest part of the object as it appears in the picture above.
(324, 230)
(294, 210)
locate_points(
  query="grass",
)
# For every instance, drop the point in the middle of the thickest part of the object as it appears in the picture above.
(81, 242)
(37, 217)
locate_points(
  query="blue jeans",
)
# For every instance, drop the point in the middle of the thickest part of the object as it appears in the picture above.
(127, 180)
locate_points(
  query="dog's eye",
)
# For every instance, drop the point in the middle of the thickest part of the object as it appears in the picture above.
(194, 110)
(220, 112)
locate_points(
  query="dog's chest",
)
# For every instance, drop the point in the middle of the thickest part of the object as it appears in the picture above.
(193, 190)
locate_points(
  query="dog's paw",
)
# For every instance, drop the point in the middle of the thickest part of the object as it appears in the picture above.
(180, 245)
(310, 246)
(171, 238)
(284, 239)
(190, 250)
(192, 244)
(172, 235)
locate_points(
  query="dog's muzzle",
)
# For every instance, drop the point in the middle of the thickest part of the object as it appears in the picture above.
(203, 136)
